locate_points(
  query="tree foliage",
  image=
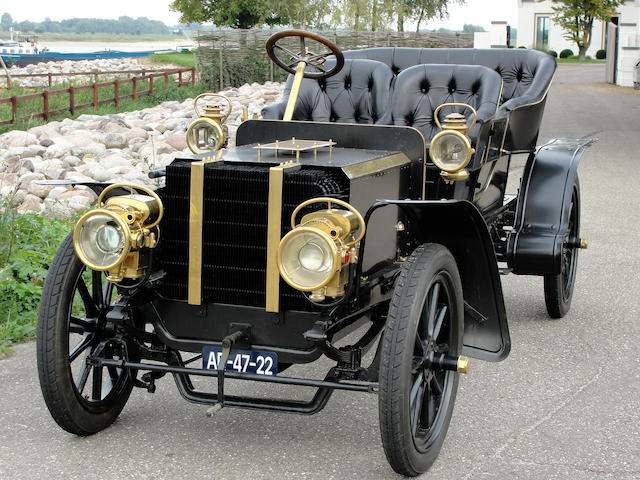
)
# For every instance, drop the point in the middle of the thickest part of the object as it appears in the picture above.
(6, 21)
(469, 28)
(251, 13)
(576, 17)
(127, 25)
(372, 15)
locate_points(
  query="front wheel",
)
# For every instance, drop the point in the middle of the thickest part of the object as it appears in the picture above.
(426, 318)
(72, 325)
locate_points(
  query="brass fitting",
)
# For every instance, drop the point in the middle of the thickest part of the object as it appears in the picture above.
(463, 364)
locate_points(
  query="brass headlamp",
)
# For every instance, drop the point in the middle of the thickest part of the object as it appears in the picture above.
(451, 150)
(116, 236)
(314, 256)
(208, 133)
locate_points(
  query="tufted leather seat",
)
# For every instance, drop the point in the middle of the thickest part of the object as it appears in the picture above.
(420, 89)
(359, 93)
(527, 74)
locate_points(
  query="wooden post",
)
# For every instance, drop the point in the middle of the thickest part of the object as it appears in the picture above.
(50, 79)
(220, 59)
(14, 108)
(134, 94)
(45, 105)
(4, 67)
(95, 95)
(166, 77)
(151, 84)
(115, 91)
(193, 75)
(180, 78)
(72, 106)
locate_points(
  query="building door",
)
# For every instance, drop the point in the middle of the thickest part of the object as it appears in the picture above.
(542, 32)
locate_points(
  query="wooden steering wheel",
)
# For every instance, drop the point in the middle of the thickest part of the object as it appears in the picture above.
(311, 59)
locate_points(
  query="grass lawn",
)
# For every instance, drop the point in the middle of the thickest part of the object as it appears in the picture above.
(574, 59)
(185, 59)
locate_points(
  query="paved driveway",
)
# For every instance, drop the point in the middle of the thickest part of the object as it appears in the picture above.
(564, 405)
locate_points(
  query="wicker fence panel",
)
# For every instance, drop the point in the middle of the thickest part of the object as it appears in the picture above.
(229, 58)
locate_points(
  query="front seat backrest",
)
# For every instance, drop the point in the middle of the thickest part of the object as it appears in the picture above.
(359, 93)
(420, 89)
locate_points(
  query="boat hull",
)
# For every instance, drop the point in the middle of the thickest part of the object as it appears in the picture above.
(22, 59)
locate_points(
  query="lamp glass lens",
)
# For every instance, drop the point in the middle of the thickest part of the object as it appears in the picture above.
(101, 240)
(307, 259)
(450, 151)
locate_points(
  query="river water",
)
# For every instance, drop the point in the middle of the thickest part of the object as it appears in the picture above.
(85, 47)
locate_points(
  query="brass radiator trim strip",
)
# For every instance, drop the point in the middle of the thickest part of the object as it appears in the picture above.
(276, 180)
(196, 207)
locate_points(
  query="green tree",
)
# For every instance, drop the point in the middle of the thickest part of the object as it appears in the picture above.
(6, 21)
(233, 13)
(420, 10)
(468, 28)
(576, 18)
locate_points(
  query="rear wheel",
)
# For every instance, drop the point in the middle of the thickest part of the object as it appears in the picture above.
(72, 325)
(416, 399)
(558, 289)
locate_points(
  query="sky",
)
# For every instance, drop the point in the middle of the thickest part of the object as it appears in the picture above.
(477, 12)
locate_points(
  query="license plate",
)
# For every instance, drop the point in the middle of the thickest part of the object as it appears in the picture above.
(241, 361)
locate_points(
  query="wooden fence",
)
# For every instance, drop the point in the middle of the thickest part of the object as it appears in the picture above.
(231, 57)
(94, 74)
(73, 107)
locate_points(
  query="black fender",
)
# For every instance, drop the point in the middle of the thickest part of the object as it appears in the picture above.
(534, 246)
(459, 226)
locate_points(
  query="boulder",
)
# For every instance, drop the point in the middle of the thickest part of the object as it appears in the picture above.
(178, 141)
(45, 132)
(46, 142)
(70, 161)
(56, 192)
(60, 148)
(31, 203)
(18, 138)
(115, 140)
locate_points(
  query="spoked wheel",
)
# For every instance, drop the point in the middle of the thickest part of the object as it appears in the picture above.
(72, 325)
(424, 325)
(558, 289)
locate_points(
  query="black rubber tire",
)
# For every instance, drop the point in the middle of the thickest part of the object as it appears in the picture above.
(558, 289)
(67, 407)
(427, 263)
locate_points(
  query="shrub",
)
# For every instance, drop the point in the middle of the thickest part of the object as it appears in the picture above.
(566, 53)
(27, 244)
(601, 54)
(553, 53)
(522, 46)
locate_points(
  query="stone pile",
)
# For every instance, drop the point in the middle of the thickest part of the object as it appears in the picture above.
(120, 147)
(68, 66)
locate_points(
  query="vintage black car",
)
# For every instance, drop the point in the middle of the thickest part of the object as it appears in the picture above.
(370, 205)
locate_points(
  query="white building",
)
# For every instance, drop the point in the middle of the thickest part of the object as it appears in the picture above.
(536, 29)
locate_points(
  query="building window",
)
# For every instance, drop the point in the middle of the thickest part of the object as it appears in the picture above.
(542, 32)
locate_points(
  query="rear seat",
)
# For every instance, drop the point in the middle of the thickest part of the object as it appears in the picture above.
(526, 76)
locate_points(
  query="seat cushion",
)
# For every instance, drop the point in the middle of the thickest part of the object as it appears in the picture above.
(359, 93)
(421, 89)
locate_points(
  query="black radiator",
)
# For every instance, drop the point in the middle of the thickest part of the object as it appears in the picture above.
(234, 236)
